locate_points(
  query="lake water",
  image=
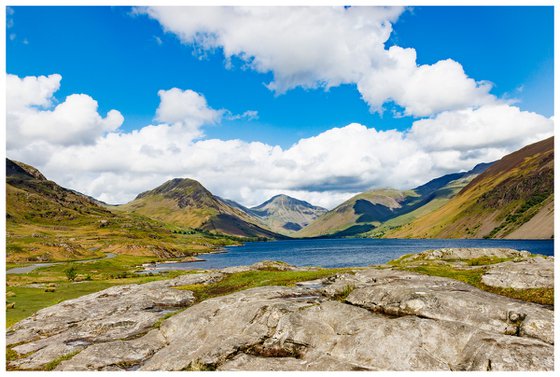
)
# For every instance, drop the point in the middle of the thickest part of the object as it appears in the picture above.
(344, 252)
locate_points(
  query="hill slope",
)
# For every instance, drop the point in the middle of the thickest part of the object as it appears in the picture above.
(514, 198)
(47, 222)
(185, 202)
(286, 215)
(368, 212)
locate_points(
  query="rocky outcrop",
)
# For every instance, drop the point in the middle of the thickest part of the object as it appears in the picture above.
(535, 272)
(466, 253)
(372, 319)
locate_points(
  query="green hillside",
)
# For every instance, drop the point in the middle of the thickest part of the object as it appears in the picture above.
(514, 198)
(46, 222)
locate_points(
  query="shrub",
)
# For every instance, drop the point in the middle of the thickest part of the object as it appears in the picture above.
(71, 273)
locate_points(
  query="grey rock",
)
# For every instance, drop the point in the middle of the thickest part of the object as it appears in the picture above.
(535, 272)
(117, 355)
(119, 312)
(263, 265)
(372, 319)
(402, 293)
(466, 253)
(188, 279)
(273, 328)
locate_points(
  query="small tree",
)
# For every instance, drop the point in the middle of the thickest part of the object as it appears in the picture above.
(71, 273)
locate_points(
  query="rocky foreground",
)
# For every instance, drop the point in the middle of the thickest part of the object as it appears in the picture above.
(377, 318)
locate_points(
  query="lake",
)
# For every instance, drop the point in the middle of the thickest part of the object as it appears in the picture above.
(344, 252)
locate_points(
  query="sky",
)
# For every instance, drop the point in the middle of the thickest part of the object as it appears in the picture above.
(319, 103)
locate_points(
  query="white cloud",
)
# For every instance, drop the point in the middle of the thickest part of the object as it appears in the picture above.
(31, 118)
(422, 90)
(491, 126)
(325, 169)
(31, 91)
(249, 115)
(314, 47)
(187, 109)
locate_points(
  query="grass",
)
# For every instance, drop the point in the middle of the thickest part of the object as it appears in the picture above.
(252, 279)
(344, 293)
(104, 273)
(54, 363)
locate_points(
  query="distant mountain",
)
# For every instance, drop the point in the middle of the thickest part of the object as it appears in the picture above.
(185, 202)
(284, 214)
(514, 198)
(373, 212)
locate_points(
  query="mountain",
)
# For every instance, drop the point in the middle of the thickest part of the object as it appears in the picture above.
(47, 222)
(284, 214)
(185, 202)
(31, 198)
(514, 198)
(373, 212)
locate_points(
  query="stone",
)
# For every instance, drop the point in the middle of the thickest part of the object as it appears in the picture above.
(535, 272)
(452, 254)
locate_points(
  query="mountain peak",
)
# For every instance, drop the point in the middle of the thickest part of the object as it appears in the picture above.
(285, 214)
(177, 187)
(284, 200)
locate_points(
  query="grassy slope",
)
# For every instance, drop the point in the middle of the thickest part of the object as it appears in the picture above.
(344, 216)
(497, 202)
(442, 196)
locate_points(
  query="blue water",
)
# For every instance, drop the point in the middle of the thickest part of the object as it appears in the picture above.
(344, 252)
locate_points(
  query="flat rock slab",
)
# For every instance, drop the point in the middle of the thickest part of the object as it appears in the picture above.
(119, 312)
(535, 272)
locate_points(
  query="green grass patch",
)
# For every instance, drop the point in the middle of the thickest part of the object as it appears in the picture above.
(54, 363)
(252, 279)
(484, 261)
(470, 276)
(30, 300)
(104, 273)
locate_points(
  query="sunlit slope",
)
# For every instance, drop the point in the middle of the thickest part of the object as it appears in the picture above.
(511, 199)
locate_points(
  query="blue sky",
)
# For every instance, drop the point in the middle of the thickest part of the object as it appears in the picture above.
(116, 58)
(348, 99)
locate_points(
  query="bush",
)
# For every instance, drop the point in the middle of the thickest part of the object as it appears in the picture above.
(71, 273)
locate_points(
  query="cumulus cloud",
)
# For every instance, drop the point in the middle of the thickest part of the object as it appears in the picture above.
(186, 109)
(313, 47)
(302, 46)
(31, 117)
(422, 90)
(324, 169)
